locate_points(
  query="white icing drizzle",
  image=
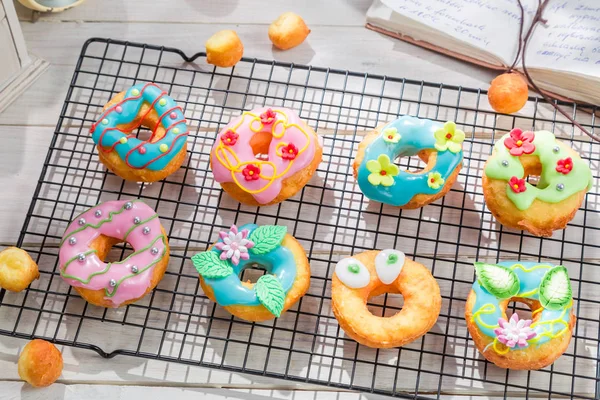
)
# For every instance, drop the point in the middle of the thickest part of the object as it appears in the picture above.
(352, 273)
(388, 268)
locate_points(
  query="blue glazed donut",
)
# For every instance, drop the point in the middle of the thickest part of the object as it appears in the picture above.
(440, 145)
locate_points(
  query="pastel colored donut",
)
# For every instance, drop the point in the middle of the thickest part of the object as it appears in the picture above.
(271, 248)
(133, 159)
(88, 240)
(518, 343)
(292, 154)
(564, 180)
(380, 179)
(372, 273)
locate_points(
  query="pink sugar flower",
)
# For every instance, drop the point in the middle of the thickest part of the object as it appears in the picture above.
(514, 332)
(234, 245)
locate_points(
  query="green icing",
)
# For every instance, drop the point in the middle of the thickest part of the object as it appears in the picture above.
(270, 293)
(392, 258)
(555, 289)
(578, 179)
(267, 238)
(63, 272)
(210, 266)
(139, 224)
(354, 268)
(498, 280)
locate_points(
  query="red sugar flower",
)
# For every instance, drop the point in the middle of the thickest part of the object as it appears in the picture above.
(251, 172)
(564, 166)
(289, 152)
(517, 185)
(520, 142)
(268, 117)
(229, 137)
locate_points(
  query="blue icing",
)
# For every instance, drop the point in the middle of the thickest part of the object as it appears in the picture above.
(417, 135)
(106, 134)
(279, 262)
(529, 281)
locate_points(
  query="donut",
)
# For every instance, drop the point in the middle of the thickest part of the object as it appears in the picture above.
(372, 273)
(133, 159)
(40, 363)
(564, 180)
(88, 240)
(290, 153)
(287, 31)
(521, 343)
(224, 49)
(17, 269)
(380, 179)
(269, 247)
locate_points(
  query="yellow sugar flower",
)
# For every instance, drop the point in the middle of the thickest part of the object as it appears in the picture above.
(449, 138)
(435, 180)
(382, 171)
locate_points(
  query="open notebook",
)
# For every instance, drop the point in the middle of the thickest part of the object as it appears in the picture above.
(562, 57)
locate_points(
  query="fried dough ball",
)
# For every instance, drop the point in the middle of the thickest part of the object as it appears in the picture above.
(508, 93)
(17, 269)
(287, 31)
(224, 49)
(40, 363)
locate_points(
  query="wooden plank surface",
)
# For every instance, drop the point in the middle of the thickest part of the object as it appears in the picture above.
(338, 40)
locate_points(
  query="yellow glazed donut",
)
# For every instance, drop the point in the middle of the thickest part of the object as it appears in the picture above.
(564, 180)
(17, 269)
(291, 152)
(88, 240)
(271, 248)
(40, 363)
(119, 149)
(521, 343)
(373, 273)
(380, 179)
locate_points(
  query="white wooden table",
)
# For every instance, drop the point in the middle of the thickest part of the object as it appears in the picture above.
(338, 40)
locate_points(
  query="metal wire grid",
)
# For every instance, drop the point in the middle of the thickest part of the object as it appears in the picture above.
(330, 217)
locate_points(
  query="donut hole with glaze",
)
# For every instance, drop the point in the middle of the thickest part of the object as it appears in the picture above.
(421, 163)
(260, 144)
(251, 273)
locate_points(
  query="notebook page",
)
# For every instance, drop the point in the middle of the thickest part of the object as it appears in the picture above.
(491, 25)
(570, 41)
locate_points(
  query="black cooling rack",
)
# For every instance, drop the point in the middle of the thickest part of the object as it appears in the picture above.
(330, 217)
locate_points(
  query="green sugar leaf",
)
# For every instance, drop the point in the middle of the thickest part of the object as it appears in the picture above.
(555, 289)
(270, 294)
(267, 238)
(210, 266)
(498, 280)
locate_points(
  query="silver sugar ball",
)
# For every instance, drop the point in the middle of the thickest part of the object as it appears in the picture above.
(505, 163)
(112, 283)
(128, 205)
(134, 269)
(72, 240)
(98, 213)
(556, 149)
(81, 257)
(137, 220)
(81, 221)
(146, 230)
(154, 251)
(560, 187)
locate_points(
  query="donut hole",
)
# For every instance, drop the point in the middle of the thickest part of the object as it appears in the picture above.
(385, 304)
(532, 170)
(143, 134)
(260, 144)
(117, 252)
(251, 273)
(417, 164)
(522, 307)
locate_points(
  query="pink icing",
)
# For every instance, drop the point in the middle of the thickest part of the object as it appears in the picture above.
(294, 131)
(132, 287)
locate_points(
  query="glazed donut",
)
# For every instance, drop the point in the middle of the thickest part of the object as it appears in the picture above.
(564, 180)
(127, 156)
(293, 153)
(271, 248)
(371, 274)
(92, 234)
(380, 179)
(514, 343)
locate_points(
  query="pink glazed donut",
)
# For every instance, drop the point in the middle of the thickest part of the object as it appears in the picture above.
(88, 240)
(265, 156)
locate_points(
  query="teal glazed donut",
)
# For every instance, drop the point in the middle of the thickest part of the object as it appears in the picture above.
(271, 248)
(130, 157)
(439, 145)
(521, 343)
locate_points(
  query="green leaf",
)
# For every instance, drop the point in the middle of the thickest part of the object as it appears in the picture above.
(270, 294)
(555, 289)
(210, 266)
(498, 280)
(267, 238)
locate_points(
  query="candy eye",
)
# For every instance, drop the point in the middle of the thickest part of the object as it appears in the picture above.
(388, 265)
(352, 273)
